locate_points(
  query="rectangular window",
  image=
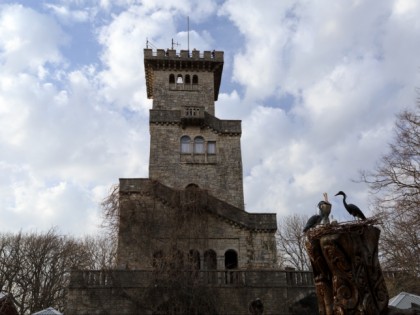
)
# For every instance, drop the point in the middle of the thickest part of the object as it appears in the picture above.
(211, 147)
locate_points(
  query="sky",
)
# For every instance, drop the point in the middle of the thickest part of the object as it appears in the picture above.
(317, 85)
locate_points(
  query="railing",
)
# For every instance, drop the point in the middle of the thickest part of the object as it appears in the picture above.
(213, 278)
(174, 116)
(299, 278)
(192, 112)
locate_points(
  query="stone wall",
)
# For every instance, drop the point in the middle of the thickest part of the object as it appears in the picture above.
(219, 173)
(172, 96)
(128, 292)
(154, 217)
(207, 66)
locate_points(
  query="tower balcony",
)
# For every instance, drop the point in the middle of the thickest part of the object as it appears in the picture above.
(192, 115)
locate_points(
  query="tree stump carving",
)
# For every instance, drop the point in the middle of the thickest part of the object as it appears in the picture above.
(347, 273)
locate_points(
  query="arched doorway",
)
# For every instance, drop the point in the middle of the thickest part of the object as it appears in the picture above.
(231, 259)
(231, 263)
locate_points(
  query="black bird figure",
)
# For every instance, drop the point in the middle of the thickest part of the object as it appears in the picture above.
(352, 209)
(312, 222)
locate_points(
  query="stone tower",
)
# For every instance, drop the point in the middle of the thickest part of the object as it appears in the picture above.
(186, 224)
(188, 144)
(195, 157)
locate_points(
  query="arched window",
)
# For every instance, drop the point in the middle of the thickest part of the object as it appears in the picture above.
(192, 186)
(185, 144)
(199, 145)
(195, 79)
(171, 78)
(187, 79)
(231, 262)
(179, 79)
(231, 259)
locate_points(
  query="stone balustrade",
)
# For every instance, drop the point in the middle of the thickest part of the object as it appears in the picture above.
(213, 278)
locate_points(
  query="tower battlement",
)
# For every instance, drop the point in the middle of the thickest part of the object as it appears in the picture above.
(184, 60)
(184, 54)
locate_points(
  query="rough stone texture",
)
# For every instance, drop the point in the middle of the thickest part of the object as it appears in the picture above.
(220, 174)
(187, 109)
(153, 218)
(122, 292)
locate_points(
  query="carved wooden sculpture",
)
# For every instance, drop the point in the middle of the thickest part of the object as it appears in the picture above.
(348, 277)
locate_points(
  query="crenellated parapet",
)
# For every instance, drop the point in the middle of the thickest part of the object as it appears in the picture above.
(171, 60)
(184, 54)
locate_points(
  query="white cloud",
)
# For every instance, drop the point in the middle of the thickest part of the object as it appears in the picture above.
(349, 67)
(61, 142)
(66, 15)
(28, 39)
(69, 131)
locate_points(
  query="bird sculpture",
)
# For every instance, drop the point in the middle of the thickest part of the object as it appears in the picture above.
(351, 208)
(323, 217)
(325, 210)
(312, 222)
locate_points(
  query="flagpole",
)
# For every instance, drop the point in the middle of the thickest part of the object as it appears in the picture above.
(188, 27)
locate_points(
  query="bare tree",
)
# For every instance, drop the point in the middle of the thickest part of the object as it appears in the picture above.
(291, 242)
(102, 251)
(395, 187)
(111, 213)
(35, 268)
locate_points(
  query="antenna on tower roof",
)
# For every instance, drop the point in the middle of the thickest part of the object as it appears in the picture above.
(188, 27)
(173, 44)
(149, 43)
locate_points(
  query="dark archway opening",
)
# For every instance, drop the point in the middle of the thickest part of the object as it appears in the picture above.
(231, 259)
